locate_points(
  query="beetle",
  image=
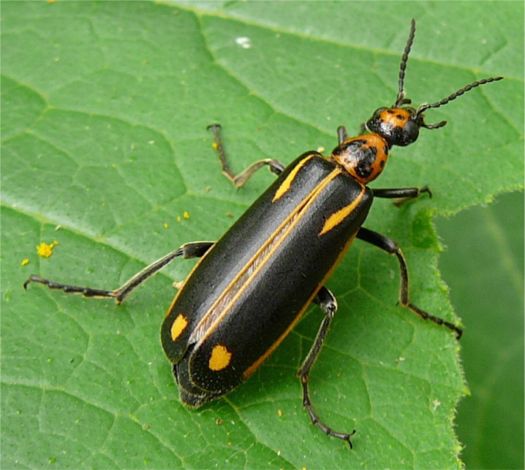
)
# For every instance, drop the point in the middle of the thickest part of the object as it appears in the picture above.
(250, 288)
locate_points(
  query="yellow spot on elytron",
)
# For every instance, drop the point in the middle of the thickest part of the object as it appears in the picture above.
(178, 326)
(337, 217)
(220, 357)
(287, 183)
(45, 250)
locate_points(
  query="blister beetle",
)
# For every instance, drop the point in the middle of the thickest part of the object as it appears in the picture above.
(250, 288)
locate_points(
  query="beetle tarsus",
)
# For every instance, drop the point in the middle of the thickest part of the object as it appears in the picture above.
(70, 289)
(240, 179)
(439, 321)
(314, 418)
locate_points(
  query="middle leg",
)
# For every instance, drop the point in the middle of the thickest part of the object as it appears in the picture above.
(189, 250)
(401, 194)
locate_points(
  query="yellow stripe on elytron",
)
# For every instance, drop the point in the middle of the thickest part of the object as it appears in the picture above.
(287, 183)
(337, 217)
(227, 308)
(220, 357)
(250, 370)
(178, 326)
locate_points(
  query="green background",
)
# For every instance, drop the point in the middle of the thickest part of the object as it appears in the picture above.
(104, 110)
(490, 302)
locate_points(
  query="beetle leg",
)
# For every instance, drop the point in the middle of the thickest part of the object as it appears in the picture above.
(328, 304)
(388, 245)
(341, 134)
(402, 194)
(188, 250)
(240, 179)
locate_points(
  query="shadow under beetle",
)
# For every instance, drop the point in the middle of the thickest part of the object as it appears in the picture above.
(250, 288)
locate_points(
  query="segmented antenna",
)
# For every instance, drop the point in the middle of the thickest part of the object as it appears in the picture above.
(402, 67)
(454, 95)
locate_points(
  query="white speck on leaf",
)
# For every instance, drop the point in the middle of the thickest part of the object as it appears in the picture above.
(244, 42)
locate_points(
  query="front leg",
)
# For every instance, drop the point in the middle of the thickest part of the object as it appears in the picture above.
(240, 179)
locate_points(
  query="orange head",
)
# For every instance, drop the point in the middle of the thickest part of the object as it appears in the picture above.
(364, 157)
(400, 124)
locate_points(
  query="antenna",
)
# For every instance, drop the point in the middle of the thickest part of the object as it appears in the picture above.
(400, 100)
(457, 93)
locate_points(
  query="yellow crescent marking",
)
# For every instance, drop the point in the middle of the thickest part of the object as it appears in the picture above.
(287, 183)
(337, 217)
(220, 357)
(178, 326)
(209, 322)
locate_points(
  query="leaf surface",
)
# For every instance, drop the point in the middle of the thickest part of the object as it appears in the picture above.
(104, 147)
(484, 268)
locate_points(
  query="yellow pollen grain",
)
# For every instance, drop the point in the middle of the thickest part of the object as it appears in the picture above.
(24, 262)
(220, 357)
(186, 215)
(178, 326)
(45, 250)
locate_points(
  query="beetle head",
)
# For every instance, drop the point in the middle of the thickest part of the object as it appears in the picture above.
(400, 124)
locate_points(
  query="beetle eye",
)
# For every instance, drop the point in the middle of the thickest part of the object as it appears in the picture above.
(410, 132)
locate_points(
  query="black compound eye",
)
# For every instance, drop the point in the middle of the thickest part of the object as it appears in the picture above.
(410, 132)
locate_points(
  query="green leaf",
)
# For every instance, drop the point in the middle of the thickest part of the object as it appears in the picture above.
(484, 267)
(104, 146)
